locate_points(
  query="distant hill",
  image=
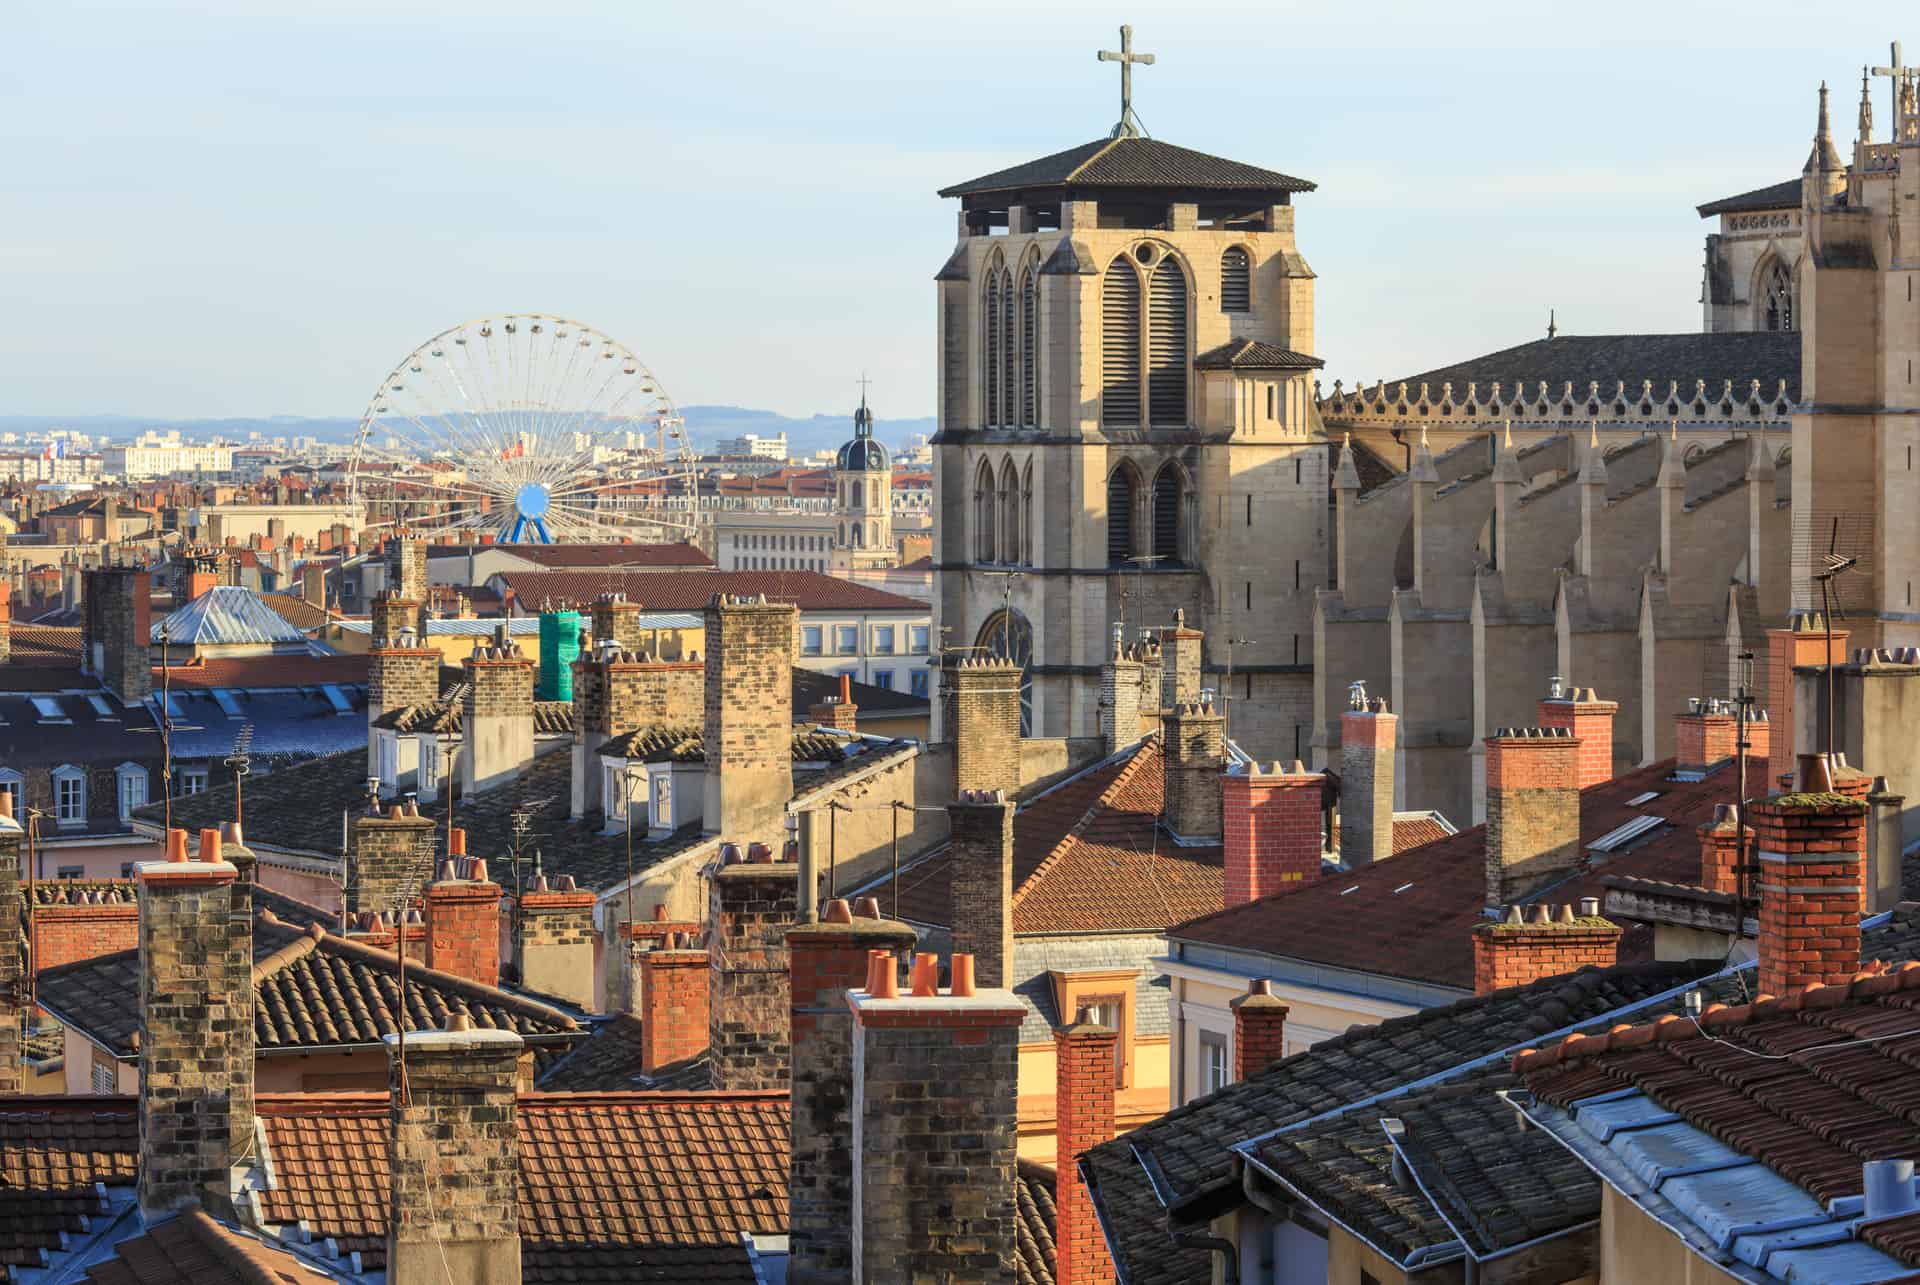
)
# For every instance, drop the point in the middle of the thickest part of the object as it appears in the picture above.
(706, 424)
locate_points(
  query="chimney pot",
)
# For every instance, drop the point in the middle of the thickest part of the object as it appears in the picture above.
(867, 908)
(837, 911)
(962, 975)
(1816, 774)
(1589, 907)
(457, 842)
(885, 981)
(176, 845)
(660, 913)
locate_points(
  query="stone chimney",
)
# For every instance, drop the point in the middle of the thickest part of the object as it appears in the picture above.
(1180, 656)
(837, 710)
(1259, 1029)
(675, 1020)
(389, 615)
(454, 1155)
(1810, 848)
(753, 899)
(121, 615)
(1704, 735)
(1720, 849)
(12, 962)
(496, 745)
(6, 622)
(615, 620)
(1367, 739)
(935, 1075)
(1588, 719)
(404, 672)
(1119, 695)
(984, 697)
(1533, 810)
(1193, 757)
(1803, 643)
(407, 577)
(1271, 830)
(616, 692)
(980, 826)
(554, 940)
(1542, 941)
(827, 959)
(749, 718)
(462, 909)
(1084, 1083)
(392, 851)
(1885, 848)
(196, 1030)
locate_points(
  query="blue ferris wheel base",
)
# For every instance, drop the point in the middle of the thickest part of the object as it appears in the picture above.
(526, 529)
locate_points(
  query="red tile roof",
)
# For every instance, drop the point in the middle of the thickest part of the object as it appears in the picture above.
(193, 1249)
(1412, 916)
(659, 1182)
(692, 590)
(46, 645)
(1088, 857)
(53, 1152)
(559, 556)
(265, 671)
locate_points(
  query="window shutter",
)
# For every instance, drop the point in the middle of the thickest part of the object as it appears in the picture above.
(1120, 346)
(1009, 353)
(1119, 517)
(1236, 281)
(1030, 349)
(1166, 517)
(990, 376)
(1167, 345)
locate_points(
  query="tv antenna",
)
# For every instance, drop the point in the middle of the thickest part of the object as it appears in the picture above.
(241, 763)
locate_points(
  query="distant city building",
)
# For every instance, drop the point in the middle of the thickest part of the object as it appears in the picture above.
(754, 446)
(155, 454)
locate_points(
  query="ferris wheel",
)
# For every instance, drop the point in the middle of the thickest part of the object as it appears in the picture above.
(524, 427)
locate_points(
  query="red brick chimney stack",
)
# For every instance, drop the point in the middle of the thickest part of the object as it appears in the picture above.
(1720, 849)
(1590, 720)
(1271, 829)
(462, 909)
(1811, 850)
(838, 710)
(12, 1064)
(1259, 1029)
(1542, 941)
(1084, 1093)
(674, 1025)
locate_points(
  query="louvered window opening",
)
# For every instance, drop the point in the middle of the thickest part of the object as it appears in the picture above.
(983, 515)
(1120, 348)
(1009, 357)
(1236, 281)
(1010, 524)
(991, 375)
(1026, 515)
(1166, 518)
(1167, 345)
(1029, 351)
(1119, 517)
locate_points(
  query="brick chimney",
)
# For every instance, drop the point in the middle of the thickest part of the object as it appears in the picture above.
(1084, 1081)
(1180, 656)
(1803, 643)
(98, 922)
(496, 745)
(1581, 712)
(454, 1154)
(462, 909)
(935, 1075)
(196, 1030)
(616, 692)
(675, 1020)
(391, 850)
(1272, 830)
(12, 965)
(1193, 757)
(1542, 941)
(827, 960)
(1533, 810)
(1367, 740)
(1259, 1029)
(980, 826)
(201, 579)
(1720, 849)
(624, 985)
(984, 697)
(749, 718)
(554, 940)
(753, 899)
(837, 710)
(388, 615)
(407, 577)
(1120, 695)
(1704, 735)
(121, 627)
(615, 620)
(402, 673)
(1810, 848)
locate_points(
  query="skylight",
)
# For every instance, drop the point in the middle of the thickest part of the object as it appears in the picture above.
(224, 698)
(1639, 799)
(100, 706)
(1616, 839)
(336, 698)
(49, 710)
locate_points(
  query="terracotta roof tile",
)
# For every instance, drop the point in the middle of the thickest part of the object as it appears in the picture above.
(692, 590)
(1034, 1188)
(53, 1152)
(265, 671)
(193, 1249)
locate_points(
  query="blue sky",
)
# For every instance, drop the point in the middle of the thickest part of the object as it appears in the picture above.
(257, 208)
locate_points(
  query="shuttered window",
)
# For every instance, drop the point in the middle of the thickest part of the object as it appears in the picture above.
(1167, 345)
(1119, 517)
(1009, 355)
(1236, 281)
(1120, 347)
(983, 514)
(1010, 533)
(1029, 350)
(990, 347)
(1166, 517)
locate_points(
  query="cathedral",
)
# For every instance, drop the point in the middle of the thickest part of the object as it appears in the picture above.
(1132, 427)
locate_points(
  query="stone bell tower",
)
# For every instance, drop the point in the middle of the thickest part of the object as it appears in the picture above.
(1127, 425)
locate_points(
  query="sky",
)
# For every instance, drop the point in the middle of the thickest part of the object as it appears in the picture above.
(254, 207)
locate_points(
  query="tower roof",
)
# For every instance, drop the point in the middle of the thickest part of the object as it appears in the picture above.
(1775, 196)
(226, 615)
(864, 451)
(1108, 164)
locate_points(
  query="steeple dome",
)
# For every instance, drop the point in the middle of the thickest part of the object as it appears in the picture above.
(864, 452)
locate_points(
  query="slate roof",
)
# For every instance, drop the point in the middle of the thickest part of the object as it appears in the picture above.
(193, 1249)
(448, 718)
(313, 990)
(226, 615)
(692, 590)
(54, 1151)
(1768, 356)
(1088, 857)
(629, 1187)
(1251, 354)
(1774, 196)
(1412, 916)
(1110, 163)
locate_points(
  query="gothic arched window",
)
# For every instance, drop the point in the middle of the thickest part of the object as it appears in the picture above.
(1166, 516)
(1026, 514)
(1121, 488)
(1007, 634)
(983, 513)
(1011, 534)
(1009, 351)
(990, 344)
(1167, 344)
(1236, 281)
(1029, 349)
(1779, 297)
(1120, 345)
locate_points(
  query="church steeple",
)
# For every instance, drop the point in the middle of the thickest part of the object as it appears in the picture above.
(1823, 159)
(1865, 126)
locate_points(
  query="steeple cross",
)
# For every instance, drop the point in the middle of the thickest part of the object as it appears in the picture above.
(1129, 126)
(1897, 74)
(863, 381)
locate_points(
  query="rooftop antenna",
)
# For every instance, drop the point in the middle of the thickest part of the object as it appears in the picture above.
(1833, 565)
(241, 761)
(1743, 873)
(403, 900)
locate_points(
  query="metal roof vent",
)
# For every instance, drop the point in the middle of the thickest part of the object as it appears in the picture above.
(1889, 1188)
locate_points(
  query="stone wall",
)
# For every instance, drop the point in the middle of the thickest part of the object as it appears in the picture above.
(392, 853)
(981, 826)
(497, 719)
(748, 717)
(752, 905)
(556, 941)
(1533, 810)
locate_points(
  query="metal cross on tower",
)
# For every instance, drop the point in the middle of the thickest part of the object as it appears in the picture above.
(1129, 126)
(1896, 73)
